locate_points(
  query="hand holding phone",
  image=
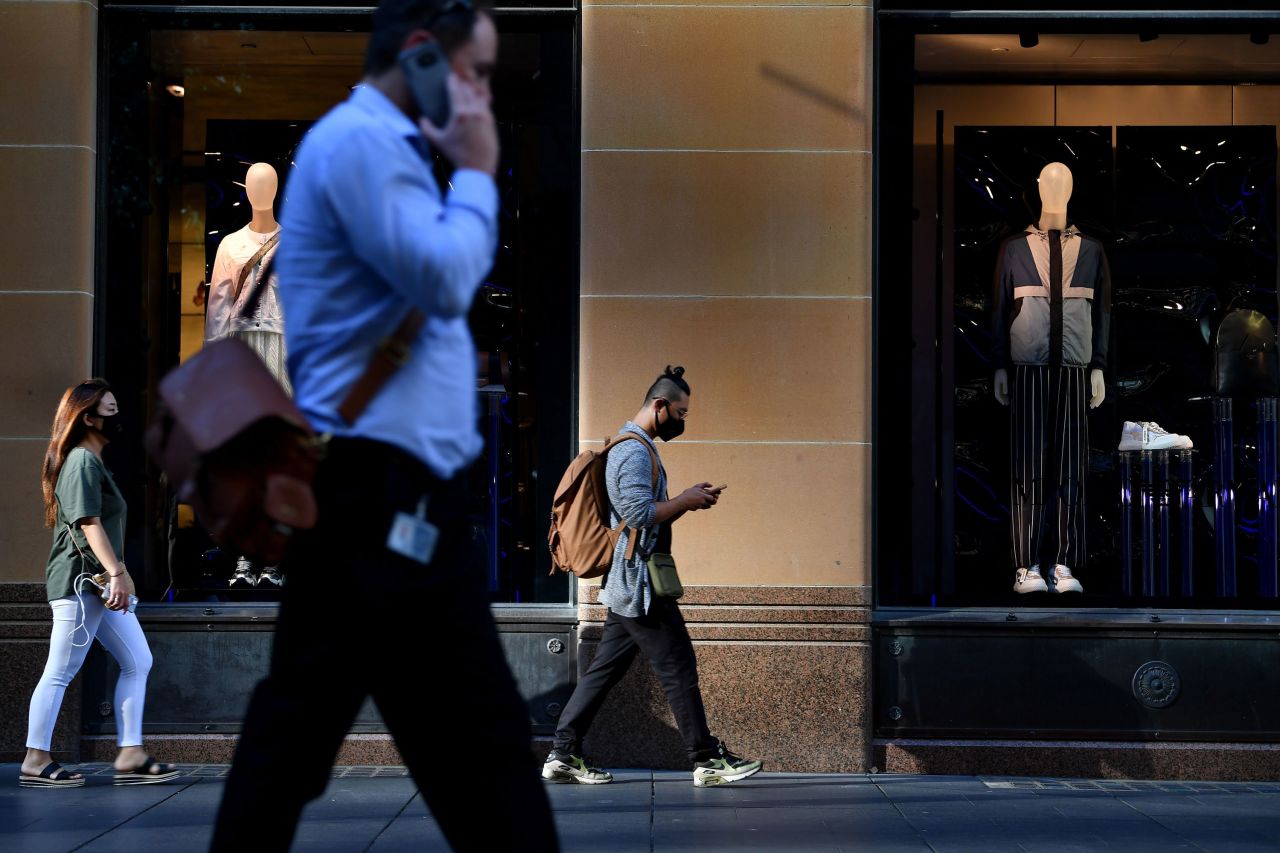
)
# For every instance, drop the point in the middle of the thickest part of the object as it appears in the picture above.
(426, 69)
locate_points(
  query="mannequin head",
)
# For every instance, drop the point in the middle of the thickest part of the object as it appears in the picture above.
(1055, 192)
(260, 186)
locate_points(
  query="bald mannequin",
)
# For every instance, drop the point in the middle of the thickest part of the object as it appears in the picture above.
(260, 185)
(1050, 322)
(1055, 184)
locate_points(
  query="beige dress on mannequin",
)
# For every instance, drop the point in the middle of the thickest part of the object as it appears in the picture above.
(263, 331)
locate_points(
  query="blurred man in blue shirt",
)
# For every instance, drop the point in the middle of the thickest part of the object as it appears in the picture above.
(384, 599)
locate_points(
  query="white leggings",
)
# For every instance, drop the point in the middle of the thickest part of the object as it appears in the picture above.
(122, 636)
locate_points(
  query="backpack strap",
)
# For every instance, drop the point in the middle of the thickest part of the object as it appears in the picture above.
(653, 461)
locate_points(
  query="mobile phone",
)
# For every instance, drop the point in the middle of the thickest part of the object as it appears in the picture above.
(427, 70)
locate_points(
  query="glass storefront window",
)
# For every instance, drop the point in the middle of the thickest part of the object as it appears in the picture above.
(192, 102)
(1169, 258)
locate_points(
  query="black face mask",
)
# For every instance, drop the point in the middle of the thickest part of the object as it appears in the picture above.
(112, 426)
(672, 428)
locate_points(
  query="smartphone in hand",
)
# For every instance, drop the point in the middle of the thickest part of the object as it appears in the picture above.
(426, 69)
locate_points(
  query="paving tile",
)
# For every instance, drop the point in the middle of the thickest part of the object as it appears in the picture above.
(413, 830)
(1226, 833)
(352, 812)
(1091, 808)
(37, 820)
(184, 821)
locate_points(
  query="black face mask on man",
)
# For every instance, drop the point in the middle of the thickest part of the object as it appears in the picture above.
(671, 428)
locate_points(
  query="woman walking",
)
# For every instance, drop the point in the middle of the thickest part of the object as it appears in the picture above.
(87, 514)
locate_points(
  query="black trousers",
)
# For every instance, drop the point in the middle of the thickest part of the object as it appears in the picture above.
(1049, 464)
(358, 620)
(662, 636)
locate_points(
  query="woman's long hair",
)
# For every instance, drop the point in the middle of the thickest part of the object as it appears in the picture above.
(68, 431)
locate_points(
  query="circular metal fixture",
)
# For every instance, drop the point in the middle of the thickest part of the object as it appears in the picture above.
(555, 646)
(895, 648)
(104, 709)
(895, 713)
(1156, 684)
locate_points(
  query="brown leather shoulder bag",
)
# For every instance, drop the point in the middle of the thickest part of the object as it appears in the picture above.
(237, 448)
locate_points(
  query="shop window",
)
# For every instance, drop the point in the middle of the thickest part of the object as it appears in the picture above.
(192, 101)
(1184, 212)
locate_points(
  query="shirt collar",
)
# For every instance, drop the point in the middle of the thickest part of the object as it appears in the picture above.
(631, 426)
(1067, 233)
(371, 101)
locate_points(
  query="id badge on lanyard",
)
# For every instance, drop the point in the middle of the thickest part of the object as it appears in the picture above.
(413, 536)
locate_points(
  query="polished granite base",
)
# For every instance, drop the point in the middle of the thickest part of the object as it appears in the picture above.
(784, 672)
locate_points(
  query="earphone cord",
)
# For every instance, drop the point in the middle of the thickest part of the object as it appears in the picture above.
(84, 618)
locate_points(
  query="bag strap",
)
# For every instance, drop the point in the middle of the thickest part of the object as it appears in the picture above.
(632, 542)
(248, 268)
(390, 355)
(631, 436)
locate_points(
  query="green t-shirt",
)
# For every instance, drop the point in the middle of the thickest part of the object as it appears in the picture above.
(85, 490)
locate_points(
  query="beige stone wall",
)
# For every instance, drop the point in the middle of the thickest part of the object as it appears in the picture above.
(48, 60)
(726, 175)
(726, 199)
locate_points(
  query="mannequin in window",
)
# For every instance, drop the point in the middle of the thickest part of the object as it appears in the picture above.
(241, 257)
(1051, 319)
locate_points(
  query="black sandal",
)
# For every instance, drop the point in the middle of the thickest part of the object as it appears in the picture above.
(54, 775)
(149, 772)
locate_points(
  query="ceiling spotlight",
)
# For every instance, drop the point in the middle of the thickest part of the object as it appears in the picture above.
(176, 90)
(1028, 39)
(1148, 36)
(1259, 38)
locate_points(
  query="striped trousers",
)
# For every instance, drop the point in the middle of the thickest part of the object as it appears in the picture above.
(1049, 461)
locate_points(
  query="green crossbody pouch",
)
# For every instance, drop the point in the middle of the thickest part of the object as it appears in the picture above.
(664, 580)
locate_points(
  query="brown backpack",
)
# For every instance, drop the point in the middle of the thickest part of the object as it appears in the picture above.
(581, 539)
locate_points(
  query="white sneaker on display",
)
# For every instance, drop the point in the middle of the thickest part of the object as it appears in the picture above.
(1149, 435)
(1061, 580)
(1029, 580)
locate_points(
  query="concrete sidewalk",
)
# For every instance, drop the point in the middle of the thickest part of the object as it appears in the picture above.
(377, 809)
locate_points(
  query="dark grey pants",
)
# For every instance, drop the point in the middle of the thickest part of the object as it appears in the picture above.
(664, 639)
(1049, 464)
(358, 620)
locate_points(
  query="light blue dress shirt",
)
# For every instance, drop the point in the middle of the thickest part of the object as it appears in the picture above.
(365, 235)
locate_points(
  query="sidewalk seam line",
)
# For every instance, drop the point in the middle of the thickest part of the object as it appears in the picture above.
(394, 818)
(653, 805)
(133, 817)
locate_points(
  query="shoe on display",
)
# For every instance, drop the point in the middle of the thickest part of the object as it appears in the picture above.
(1029, 580)
(1061, 580)
(243, 578)
(723, 769)
(1149, 435)
(270, 578)
(562, 767)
